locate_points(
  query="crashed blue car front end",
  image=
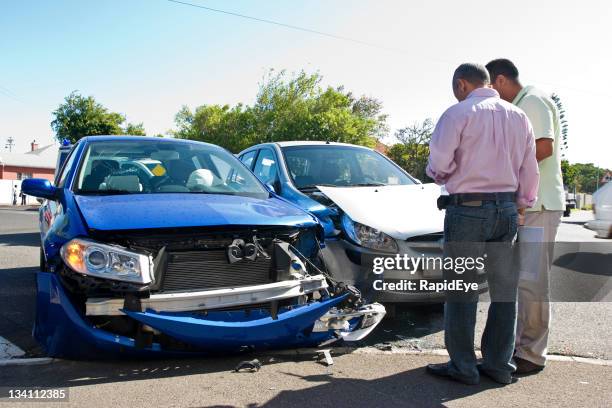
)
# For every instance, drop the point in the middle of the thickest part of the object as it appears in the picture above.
(154, 246)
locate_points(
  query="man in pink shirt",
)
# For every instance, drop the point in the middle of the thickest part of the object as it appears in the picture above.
(483, 151)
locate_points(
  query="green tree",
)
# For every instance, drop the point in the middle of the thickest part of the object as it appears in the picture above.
(569, 175)
(412, 151)
(135, 129)
(587, 176)
(286, 108)
(81, 116)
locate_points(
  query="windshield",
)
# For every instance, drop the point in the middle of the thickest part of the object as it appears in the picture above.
(340, 166)
(149, 167)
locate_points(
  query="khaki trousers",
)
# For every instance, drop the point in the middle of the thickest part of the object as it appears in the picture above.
(533, 319)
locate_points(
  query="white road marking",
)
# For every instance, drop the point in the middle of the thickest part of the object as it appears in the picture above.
(9, 350)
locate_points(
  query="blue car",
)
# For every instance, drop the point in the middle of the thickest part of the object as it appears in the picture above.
(156, 246)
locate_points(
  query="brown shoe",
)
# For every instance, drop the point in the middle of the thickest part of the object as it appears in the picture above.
(525, 367)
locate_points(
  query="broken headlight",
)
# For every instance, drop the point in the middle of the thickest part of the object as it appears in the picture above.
(106, 261)
(367, 236)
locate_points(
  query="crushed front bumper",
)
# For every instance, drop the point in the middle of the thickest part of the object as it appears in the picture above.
(351, 264)
(63, 328)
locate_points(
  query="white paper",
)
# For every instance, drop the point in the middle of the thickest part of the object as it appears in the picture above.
(531, 242)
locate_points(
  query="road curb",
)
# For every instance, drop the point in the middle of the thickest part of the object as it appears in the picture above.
(26, 361)
(338, 351)
(429, 352)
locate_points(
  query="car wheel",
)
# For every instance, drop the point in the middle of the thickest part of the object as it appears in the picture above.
(43, 261)
(567, 212)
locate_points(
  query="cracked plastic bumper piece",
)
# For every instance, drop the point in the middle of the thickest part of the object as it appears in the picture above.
(351, 325)
(64, 330)
(256, 332)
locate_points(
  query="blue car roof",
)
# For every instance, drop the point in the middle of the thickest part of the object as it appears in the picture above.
(110, 138)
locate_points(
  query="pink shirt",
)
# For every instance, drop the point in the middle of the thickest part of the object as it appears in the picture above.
(485, 145)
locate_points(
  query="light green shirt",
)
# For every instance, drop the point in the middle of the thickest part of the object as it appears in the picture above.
(544, 117)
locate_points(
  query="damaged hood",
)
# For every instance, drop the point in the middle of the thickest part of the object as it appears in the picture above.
(401, 212)
(140, 211)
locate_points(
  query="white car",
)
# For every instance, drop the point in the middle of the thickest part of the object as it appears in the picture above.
(368, 205)
(602, 208)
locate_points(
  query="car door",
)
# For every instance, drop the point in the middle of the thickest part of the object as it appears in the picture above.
(248, 158)
(266, 168)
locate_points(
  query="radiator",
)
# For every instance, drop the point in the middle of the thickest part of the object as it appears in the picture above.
(210, 269)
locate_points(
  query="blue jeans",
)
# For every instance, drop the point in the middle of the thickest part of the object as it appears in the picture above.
(474, 231)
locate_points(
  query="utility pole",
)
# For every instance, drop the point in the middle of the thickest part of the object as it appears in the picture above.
(10, 142)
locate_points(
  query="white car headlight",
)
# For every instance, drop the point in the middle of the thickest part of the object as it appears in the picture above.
(367, 236)
(107, 261)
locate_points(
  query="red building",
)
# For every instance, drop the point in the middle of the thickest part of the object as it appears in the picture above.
(39, 162)
(14, 167)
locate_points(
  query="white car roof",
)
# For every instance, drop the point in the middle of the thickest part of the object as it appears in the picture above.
(316, 143)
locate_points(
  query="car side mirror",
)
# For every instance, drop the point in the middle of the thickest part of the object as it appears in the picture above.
(41, 188)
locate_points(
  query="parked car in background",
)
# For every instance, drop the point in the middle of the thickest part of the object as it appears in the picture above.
(369, 207)
(602, 210)
(163, 246)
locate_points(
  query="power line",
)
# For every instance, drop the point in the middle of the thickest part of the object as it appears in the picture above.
(9, 94)
(349, 39)
(298, 28)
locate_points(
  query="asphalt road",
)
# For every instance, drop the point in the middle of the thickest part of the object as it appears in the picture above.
(355, 380)
(579, 328)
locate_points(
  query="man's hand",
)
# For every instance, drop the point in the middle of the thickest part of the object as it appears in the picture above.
(521, 214)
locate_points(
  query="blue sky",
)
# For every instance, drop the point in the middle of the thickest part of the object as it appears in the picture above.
(147, 58)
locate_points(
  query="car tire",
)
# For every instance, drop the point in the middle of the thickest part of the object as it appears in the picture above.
(567, 212)
(43, 261)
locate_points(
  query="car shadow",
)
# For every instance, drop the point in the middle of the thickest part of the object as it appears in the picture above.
(72, 373)
(592, 263)
(17, 304)
(21, 239)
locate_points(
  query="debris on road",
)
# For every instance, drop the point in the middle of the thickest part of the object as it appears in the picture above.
(326, 354)
(252, 366)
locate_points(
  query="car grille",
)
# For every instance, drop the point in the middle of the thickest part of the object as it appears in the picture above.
(208, 269)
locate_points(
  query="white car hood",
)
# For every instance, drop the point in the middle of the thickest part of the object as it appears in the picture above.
(399, 211)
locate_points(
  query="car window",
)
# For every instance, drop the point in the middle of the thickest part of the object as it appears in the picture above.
(66, 168)
(248, 158)
(310, 166)
(150, 167)
(266, 168)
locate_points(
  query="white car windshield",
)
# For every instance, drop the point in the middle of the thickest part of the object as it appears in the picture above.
(341, 166)
(150, 167)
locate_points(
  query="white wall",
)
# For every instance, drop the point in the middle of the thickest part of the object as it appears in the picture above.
(6, 193)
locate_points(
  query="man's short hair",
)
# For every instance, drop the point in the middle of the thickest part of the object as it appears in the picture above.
(502, 66)
(475, 74)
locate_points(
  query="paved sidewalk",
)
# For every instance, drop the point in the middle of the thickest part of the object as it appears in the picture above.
(355, 380)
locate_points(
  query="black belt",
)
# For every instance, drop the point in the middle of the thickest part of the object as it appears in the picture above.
(457, 199)
(474, 198)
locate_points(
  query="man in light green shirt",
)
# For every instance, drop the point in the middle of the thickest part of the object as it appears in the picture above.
(533, 320)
